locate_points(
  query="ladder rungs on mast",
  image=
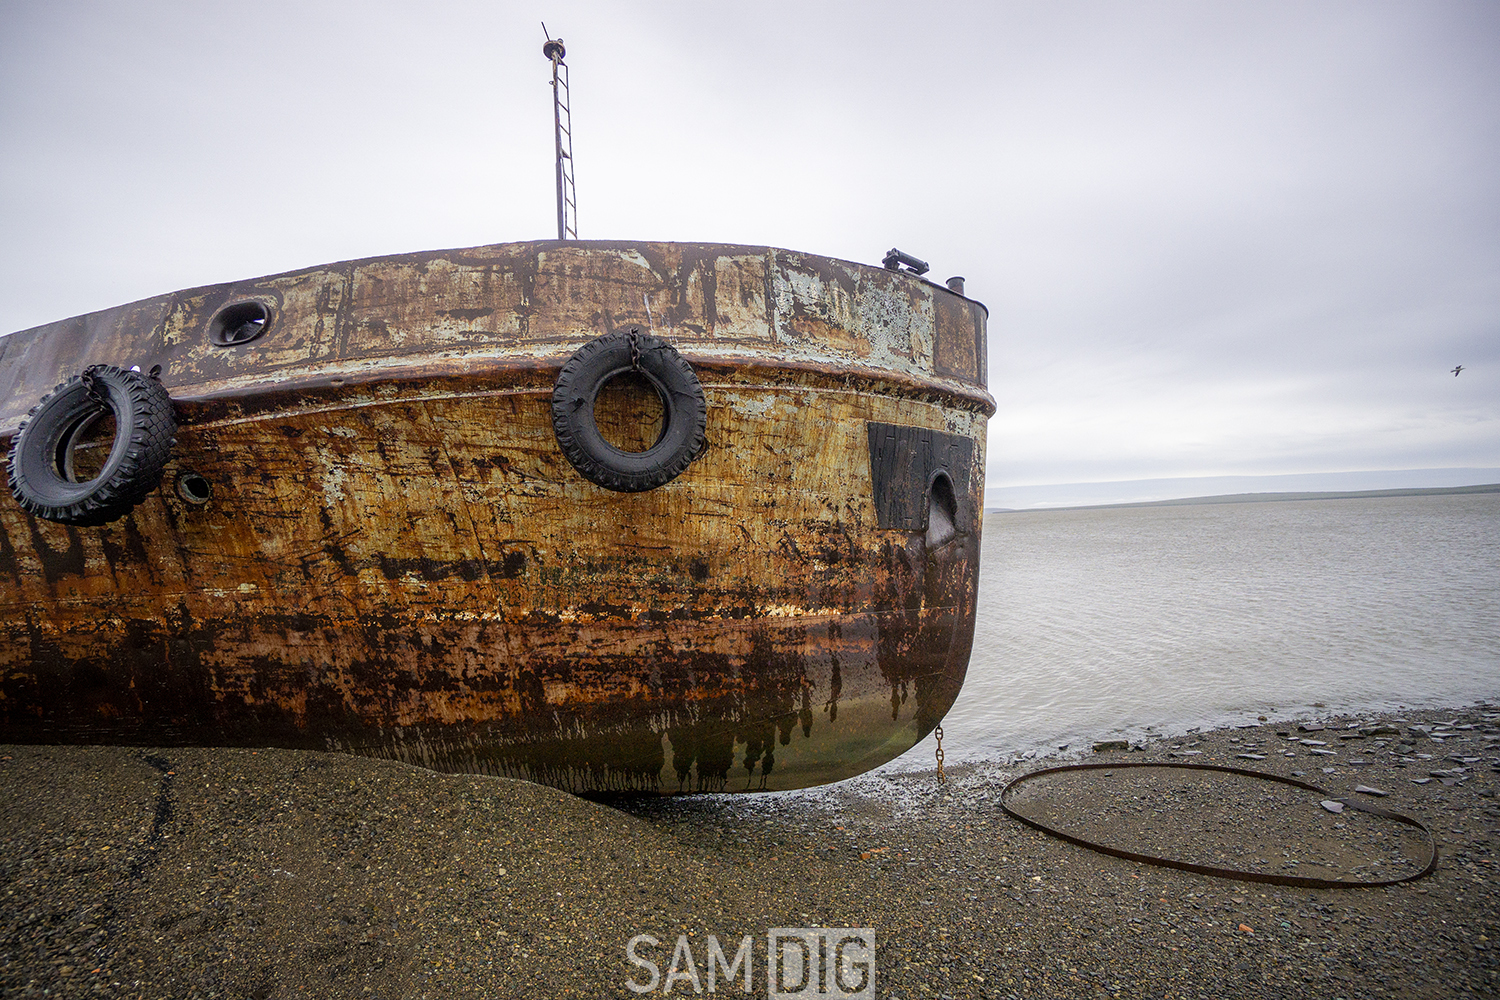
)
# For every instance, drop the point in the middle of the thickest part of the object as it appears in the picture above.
(562, 118)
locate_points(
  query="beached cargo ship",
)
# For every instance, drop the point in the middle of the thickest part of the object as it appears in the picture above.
(609, 516)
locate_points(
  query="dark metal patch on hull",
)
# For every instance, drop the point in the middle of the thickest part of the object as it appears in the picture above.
(903, 462)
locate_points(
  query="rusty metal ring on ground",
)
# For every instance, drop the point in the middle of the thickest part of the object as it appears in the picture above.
(684, 411)
(1234, 873)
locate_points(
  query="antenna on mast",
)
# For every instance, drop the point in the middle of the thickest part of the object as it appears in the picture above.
(562, 119)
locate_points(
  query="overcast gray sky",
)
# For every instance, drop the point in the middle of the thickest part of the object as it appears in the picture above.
(1216, 239)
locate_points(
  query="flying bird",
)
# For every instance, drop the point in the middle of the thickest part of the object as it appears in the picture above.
(1457, 370)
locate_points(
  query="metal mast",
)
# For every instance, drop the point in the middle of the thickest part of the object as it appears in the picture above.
(562, 118)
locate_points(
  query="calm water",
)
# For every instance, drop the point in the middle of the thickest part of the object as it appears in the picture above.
(1101, 622)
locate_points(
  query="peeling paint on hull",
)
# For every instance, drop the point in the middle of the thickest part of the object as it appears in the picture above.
(397, 559)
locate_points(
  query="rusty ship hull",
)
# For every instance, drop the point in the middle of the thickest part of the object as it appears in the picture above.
(384, 551)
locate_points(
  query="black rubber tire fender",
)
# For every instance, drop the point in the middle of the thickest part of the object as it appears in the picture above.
(40, 474)
(684, 412)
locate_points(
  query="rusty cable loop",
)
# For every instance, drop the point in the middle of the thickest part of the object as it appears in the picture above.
(938, 732)
(1303, 881)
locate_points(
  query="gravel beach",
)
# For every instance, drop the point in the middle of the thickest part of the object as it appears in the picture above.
(167, 873)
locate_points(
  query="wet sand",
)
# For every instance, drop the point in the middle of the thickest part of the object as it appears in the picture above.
(170, 873)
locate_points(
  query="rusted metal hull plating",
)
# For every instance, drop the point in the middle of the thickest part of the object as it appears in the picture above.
(396, 559)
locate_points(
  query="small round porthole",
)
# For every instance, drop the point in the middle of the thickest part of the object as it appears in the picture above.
(239, 323)
(194, 488)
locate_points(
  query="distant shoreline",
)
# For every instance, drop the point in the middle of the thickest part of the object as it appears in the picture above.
(1262, 498)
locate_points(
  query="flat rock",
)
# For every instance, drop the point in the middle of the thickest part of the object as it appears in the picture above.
(1367, 790)
(1332, 806)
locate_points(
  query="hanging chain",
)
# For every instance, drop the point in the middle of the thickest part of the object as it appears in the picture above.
(91, 386)
(939, 754)
(635, 349)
